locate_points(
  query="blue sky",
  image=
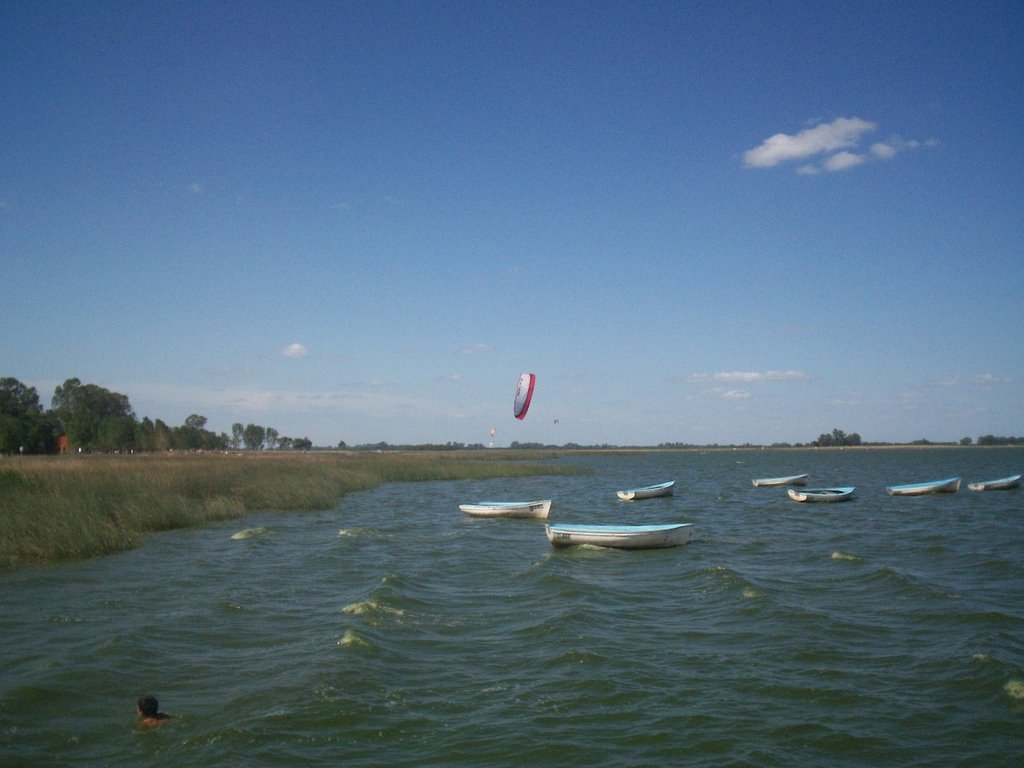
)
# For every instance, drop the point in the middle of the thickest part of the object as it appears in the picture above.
(694, 221)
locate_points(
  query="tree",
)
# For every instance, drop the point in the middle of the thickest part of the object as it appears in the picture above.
(272, 440)
(966, 441)
(22, 424)
(162, 437)
(115, 434)
(254, 436)
(195, 421)
(81, 410)
(237, 431)
(836, 438)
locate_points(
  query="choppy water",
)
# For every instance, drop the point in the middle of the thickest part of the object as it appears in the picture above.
(394, 630)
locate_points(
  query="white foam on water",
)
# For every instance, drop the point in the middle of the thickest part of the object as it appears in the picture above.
(248, 533)
(1015, 689)
(351, 638)
(355, 532)
(371, 607)
(837, 555)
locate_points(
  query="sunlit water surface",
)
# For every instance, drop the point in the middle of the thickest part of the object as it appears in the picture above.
(395, 630)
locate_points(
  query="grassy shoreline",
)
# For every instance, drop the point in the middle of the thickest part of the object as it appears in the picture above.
(55, 508)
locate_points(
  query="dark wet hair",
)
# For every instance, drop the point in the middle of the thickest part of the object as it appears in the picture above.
(148, 706)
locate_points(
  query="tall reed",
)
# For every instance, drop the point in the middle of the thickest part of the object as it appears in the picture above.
(58, 508)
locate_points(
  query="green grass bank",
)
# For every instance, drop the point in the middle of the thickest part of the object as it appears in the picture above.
(56, 508)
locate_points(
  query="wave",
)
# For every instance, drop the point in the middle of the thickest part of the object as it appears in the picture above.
(837, 555)
(373, 611)
(352, 638)
(249, 533)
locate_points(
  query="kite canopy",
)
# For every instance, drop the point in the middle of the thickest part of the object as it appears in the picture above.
(524, 393)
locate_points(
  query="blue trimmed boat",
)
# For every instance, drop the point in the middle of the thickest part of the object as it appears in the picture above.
(648, 491)
(949, 485)
(1003, 484)
(775, 482)
(842, 493)
(533, 509)
(620, 536)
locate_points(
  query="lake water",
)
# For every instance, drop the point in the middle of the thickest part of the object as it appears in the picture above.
(395, 630)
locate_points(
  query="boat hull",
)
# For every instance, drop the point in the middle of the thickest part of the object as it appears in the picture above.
(537, 510)
(775, 482)
(647, 492)
(825, 495)
(949, 485)
(1003, 484)
(620, 536)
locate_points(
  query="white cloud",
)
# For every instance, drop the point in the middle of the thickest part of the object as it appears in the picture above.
(987, 378)
(740, 377)
(295, 350)
(735, 394)
(196, 188)
(838, 141)
(473, 349)
(841, 133)
(751, 376)
(843, 160)
(883, 151)
(785, 375)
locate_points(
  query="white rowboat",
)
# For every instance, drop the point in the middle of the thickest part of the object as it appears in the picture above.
(774, 482)
(533, 509)
(1003, 484)
(843, 493)
(949, 485)
(648, 491)
(620, 536)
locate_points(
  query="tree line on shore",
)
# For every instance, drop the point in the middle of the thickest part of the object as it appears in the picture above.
(89, 418)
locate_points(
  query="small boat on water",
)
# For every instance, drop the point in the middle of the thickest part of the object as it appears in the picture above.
(775, 482)
(841, 493)
(949, 485)
(620, 536)
(533, 509)
(648, 491)
(1003, 484)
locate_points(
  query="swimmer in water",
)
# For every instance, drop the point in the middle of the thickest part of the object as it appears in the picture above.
(147, 710)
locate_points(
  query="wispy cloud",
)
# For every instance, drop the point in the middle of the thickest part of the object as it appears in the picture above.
(745, 376)
(839, 142)
(981, 379)
(840, 161)
(367, 398)
(475, 349)
(734, 394)
(985, 379)
(295, 350)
